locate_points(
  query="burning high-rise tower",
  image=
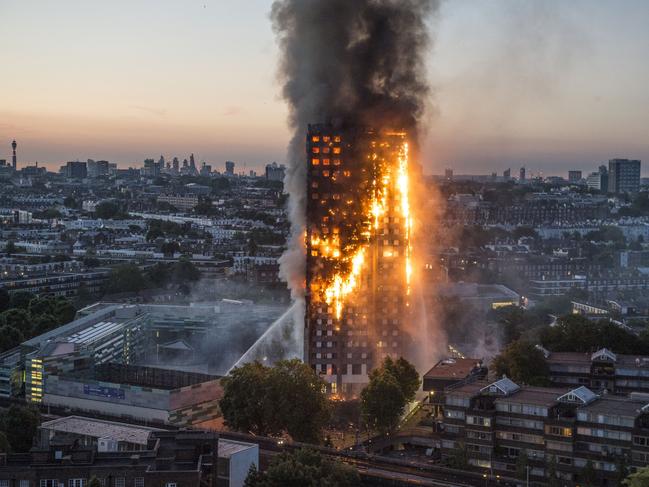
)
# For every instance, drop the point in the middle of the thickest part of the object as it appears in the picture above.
(359, 64)
(358, 252)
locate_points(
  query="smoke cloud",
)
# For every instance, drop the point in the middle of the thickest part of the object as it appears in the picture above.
(357, 61)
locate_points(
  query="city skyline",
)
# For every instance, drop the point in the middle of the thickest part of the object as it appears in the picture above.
(516, 84)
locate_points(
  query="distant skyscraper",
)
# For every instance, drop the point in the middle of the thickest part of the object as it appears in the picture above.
(176, 165)
(521, 175)
(623, 176)
(97, 169)
(603, 182)
(275, 172)
(76, 170)
(448, 174)
(594, 180)
(14, 160)
(192, 163)
(574, 177)
(206, 169)
(507, 174)
(229, 168)
(151, 168)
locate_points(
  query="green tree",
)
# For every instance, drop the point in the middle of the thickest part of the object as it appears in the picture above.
(70, 202)
(305, 468)
(245, 404)
(21, 299)
(20, 424)
(170, 248)
(109, 210)
(523, 363)
(43, 323)
(254, 477)
(48, 214)
(621, 468)
(5, 300)
(638, 479)
(288, 397)
(126, 278)
(10, 337)
(382, 401)
(522, 462)
(575, 333)
(551, 466)
(205, 207)
(11, 248)
(64, 311)
(298, 394)
(458, 458)
(406, 375)
(185, 271)
(159, 274)
(19, 319)
(94, 482)
(588, 475)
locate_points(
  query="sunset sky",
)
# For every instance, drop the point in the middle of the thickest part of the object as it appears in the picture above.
(552, 85)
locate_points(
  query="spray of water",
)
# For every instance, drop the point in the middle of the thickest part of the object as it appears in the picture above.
(282, 340)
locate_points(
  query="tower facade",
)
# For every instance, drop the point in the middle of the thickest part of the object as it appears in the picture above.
(14, 160)
(358, 252)
(623, 176)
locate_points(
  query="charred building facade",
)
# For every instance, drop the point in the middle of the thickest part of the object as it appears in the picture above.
(358, 252)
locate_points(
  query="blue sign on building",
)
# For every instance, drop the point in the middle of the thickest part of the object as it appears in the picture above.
(101, 391)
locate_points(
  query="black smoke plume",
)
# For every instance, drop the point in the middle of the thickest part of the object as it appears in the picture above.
(358, 61)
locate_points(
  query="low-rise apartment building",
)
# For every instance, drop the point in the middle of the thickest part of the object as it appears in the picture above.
(599, 371)
(509, 430)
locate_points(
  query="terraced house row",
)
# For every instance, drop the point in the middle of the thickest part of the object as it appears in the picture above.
(572, 432)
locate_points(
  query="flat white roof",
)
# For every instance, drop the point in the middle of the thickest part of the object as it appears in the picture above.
(227, 448)
(99, 428)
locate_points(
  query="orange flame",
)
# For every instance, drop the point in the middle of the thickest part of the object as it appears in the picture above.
(338, 288)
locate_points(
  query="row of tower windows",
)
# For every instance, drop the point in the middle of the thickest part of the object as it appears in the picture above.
(326, 150)
(325, 138)
(325, 162)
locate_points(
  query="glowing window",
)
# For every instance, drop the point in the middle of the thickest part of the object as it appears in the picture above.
(316, 150)
(325, 162)
(336, 150)
(337, 138)
(336, 162)
(315, 138)
(347, 173)
(326, 138)
(325, 174)
(326, 150)
(315, 161)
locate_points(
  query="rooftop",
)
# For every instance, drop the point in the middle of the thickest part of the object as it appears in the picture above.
(98, 428)
(227, 448)
(616, 406)
(453, 368)
(540, 396)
